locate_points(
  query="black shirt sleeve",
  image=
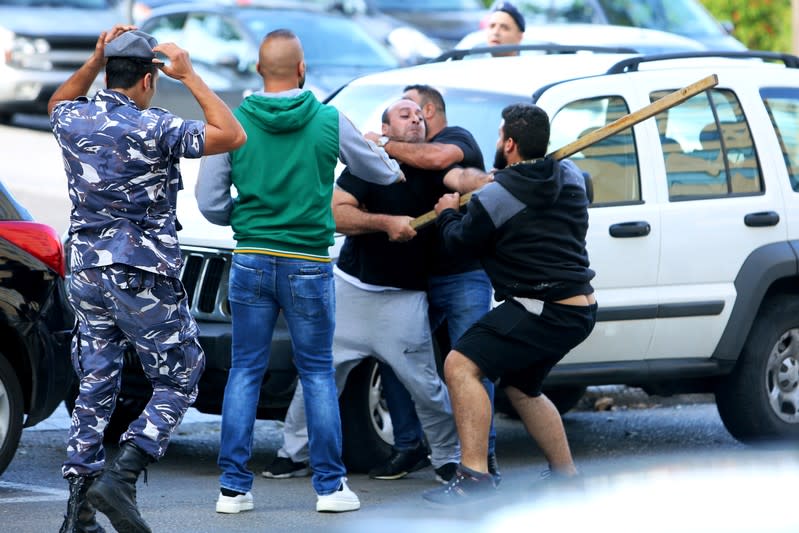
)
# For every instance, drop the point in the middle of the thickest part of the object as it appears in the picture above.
(460, 137)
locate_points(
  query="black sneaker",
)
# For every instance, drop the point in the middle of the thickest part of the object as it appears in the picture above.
(446, 472)
(284, 468)
(466, 486)
(401, 463)
(493, 468)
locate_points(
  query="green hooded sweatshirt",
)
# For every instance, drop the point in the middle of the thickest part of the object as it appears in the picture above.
(284, 176)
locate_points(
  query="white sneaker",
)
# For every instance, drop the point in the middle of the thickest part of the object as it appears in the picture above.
(234, 504)
(340, 501)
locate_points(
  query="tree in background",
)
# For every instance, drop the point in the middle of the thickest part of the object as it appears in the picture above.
(759, 24)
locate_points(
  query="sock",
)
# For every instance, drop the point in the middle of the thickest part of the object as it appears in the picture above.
(230, 493)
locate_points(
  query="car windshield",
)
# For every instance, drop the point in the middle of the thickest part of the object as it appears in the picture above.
(479, 112)
(86, 4)
(428, 5)
(326, 40)
(684, 17)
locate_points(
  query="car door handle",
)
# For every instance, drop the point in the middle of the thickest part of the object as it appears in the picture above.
(624, 230)
(762, 219)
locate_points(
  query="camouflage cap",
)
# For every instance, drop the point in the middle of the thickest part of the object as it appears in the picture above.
(133, 44)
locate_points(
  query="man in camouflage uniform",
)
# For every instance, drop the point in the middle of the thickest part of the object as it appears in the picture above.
(121, 161)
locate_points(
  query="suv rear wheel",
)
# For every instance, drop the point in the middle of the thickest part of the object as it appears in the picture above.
(760, 399)
(11, 412)
(365, 421)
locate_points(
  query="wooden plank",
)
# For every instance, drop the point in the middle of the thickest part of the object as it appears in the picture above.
(620, 124)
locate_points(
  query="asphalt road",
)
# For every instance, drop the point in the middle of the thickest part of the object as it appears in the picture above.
(640, 434)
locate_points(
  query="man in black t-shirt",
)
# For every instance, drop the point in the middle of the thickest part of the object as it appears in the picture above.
(459, 292)
(381, 304)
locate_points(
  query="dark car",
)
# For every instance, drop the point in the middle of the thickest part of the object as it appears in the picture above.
(35, 324)
(408, 44)
(223, 42)
(445, 21)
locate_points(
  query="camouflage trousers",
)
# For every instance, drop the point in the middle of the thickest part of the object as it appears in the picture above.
(119, 307)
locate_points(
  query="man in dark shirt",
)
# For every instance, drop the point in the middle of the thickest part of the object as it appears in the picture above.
(528, 228)
(381, 310)
(459, 291)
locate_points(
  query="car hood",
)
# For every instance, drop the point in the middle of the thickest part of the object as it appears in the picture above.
(59, 21)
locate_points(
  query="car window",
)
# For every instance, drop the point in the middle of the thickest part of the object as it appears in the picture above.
(686, 17)
(479, 112)
(612, 163)
(783, 108)
(707, 147)
(213, 38)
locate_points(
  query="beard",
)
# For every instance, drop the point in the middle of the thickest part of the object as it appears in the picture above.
(500, 161)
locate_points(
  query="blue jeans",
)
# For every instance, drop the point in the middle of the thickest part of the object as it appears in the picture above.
(460, 299)
(260, 286)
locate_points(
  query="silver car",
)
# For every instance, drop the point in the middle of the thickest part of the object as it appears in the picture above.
(42, 43)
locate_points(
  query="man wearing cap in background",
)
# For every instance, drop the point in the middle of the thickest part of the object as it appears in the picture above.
(122, 164)
(505, 27)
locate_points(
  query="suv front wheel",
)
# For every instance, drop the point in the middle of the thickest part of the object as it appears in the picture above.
(365, 421)
(760, 399)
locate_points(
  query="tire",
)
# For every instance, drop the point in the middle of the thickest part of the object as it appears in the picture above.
(12, 412)
(365, 422)
(759, 400)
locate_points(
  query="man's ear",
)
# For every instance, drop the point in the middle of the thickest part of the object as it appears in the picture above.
(147, 81)
(301, 69)
(385, 129)
(258, 68)
(428, 110)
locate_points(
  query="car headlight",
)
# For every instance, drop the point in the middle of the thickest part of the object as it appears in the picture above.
(23, 52)
(411, 45)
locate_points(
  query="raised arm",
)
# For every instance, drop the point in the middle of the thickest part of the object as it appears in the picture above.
(222, 131)
(81, 80)
(431, 156)
(364, 158)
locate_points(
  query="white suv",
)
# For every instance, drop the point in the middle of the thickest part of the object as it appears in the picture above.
(694, 232)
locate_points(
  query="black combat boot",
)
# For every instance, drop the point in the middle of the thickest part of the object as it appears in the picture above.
(80, 513)
(114, 492)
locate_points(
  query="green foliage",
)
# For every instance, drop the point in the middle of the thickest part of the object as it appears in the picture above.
(759, 24)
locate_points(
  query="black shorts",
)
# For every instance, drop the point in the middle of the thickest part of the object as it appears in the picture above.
(519, 348)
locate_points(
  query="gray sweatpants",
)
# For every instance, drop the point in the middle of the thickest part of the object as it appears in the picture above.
(393, 327)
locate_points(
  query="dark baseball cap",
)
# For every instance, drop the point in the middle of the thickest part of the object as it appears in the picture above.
(133, 44)
(514, 13)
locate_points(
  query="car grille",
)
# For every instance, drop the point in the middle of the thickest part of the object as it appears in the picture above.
(205, 277)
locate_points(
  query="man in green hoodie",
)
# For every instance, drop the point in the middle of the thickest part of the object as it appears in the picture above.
(283, 226)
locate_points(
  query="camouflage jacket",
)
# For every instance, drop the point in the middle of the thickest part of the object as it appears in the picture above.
(123, 172)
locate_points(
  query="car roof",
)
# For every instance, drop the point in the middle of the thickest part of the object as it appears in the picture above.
(512, 75)
(491, 74)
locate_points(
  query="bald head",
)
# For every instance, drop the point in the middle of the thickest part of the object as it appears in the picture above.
(280, 61)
